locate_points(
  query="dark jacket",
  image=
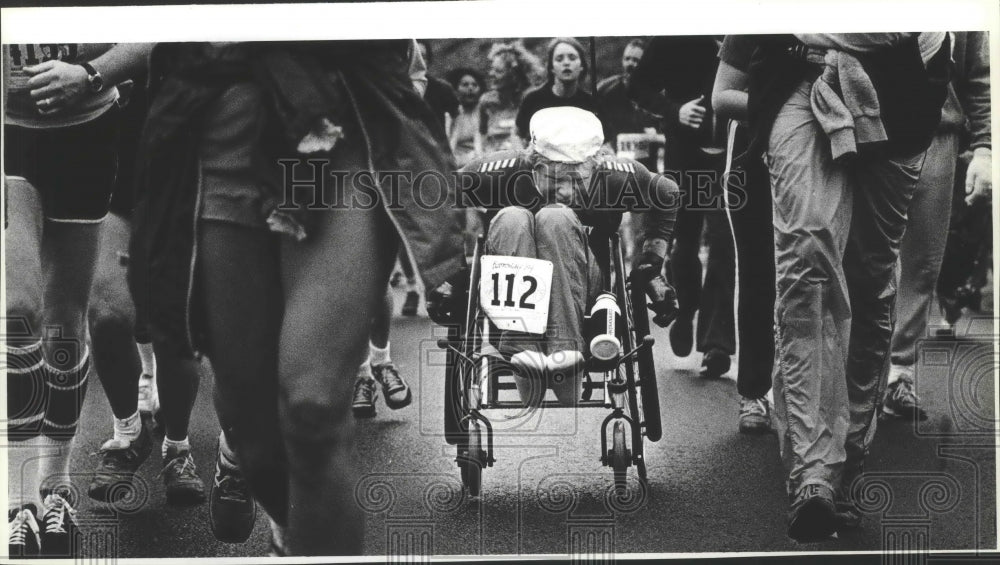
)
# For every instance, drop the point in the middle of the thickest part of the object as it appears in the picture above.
(362, 85)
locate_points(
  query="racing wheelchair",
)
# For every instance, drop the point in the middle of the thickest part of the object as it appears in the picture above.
(626, 376)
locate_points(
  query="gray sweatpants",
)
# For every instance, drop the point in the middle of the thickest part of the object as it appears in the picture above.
(837, 230)
(922, 248)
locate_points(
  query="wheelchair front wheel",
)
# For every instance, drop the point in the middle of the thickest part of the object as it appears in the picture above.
(619, 455)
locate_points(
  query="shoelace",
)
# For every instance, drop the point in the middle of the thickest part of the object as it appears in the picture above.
(905, 390)
(231, 486)
(23, 521)
(55, 514)
(364, 389)
(390, 377)
(184, 462)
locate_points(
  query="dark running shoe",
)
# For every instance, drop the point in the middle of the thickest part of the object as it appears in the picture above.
(715, 364)
(58, 526)
(180, 477)
(24, 539)
(395, 391)
(119, 462)
(411, 303)
(681, 337)
(363, 405)
(755, 415)
(231, 510)
(812, 517)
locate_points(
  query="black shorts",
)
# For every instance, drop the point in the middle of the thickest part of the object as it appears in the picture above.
(73, 168)
(133, 116)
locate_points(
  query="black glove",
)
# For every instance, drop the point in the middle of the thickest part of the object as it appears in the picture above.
(662, 300)
(649, 264)
(443, 305)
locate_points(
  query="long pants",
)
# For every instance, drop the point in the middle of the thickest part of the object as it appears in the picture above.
(699, 179)
(749, 211)
(555, 234)
(837, 230)
(922, 247)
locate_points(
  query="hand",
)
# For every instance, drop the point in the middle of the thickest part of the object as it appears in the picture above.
(979, 177)
(692, 113)
(56, 85)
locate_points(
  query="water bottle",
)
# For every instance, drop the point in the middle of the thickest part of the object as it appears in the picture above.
(605, 316)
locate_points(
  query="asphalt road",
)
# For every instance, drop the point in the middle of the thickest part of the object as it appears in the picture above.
(929, 485)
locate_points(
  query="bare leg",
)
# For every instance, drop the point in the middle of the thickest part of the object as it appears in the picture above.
(335, 280)
(238, 273)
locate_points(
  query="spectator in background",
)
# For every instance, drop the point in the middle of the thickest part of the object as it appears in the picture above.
(440, 96)
(617, 111)
(513, 70)
(565, 67)
(684, 69)
(965, 120)
(465, 143)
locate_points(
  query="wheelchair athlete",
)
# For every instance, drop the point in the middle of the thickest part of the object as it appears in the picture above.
(550, 201)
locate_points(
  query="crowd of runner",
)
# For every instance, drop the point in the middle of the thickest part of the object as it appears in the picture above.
(148, 223)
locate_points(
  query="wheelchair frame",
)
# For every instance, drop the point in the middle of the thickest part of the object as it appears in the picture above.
(630, 389)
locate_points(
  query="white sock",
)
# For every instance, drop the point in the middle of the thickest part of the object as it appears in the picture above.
(147, 358)
(379, 356)
(365, 369)
(128, 429)
(177, 445)
(53, 465)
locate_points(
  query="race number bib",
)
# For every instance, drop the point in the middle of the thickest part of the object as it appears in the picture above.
(514, 292)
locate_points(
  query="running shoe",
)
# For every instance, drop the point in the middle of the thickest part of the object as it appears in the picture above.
(120, 460)
(231, 510)
(411, 303)
(901, 401)
(681, 337)
(23, 538)
(715, 364)
(363, 405)
(180, 477)
(58, 526)
(395, 391)
(755, 415)
(812, 517)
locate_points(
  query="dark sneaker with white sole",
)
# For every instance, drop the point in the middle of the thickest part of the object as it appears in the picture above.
(363, 404)
(180, 477)
(24, 538)
(231, 510)
(395, 391)
(120, 460)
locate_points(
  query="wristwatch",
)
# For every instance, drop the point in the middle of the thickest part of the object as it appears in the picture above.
(93, 77)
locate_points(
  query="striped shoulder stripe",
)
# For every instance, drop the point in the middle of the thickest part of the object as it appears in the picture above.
(497, 165)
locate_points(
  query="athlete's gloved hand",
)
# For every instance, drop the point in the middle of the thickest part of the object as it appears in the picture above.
(439, 302)
(445, 303)
(662, 297)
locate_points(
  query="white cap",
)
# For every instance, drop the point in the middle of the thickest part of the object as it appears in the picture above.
(566, 134)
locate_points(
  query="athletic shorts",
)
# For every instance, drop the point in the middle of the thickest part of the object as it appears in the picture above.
(231, 189)
(73, 168)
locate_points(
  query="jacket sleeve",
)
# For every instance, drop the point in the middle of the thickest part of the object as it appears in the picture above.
(973, 88)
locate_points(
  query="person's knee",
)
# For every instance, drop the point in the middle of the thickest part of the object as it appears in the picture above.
(808, 257)
(109, 320)
(557, 219)
(313, 430)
